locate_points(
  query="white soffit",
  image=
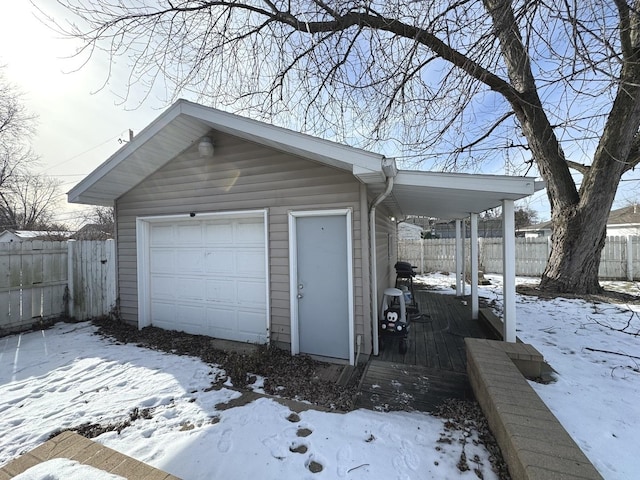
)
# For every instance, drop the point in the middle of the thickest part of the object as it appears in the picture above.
(452, 195)
(183, 124)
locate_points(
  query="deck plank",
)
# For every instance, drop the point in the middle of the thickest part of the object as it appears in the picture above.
(434, 367)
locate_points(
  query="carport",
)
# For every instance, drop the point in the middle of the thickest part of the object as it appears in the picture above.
(457, 196)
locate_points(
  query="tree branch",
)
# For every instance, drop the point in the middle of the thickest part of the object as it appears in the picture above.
(486, 135)
(580, 167)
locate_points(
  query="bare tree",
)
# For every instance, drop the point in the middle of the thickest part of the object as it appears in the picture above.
(16, 126)
(28, 202)
(525, 216)
(451, 82)
(99, 224)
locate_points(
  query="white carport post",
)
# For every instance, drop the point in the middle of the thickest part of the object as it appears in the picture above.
(474, 266)
(459, 259)
(509, 270)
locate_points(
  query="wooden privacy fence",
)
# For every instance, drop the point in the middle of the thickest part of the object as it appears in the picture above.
(620, 257)
(41, 280)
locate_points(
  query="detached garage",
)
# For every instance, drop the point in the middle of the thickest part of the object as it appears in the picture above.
(205, 274)
(240, 230)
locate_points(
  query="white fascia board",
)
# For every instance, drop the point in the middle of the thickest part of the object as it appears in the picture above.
(75, 194)
(464, 181)
(298, 143)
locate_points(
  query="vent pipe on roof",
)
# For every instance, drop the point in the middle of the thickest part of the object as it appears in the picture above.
(390, 170)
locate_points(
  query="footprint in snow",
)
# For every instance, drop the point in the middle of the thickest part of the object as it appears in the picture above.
(276, 446)
(224, 444)
(344, 458)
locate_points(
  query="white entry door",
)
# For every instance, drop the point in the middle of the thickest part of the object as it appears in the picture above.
(321, 283)
(205, 275)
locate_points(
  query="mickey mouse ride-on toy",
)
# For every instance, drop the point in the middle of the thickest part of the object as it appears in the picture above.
(393, 320)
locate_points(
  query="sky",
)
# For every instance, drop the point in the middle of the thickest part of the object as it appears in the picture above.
(65, 376)
(79, 124)
(81, 121)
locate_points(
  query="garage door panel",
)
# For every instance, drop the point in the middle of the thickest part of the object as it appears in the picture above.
(222, 319)
(191, 318)
(249, 322)
(218, 233)
(221, 291)
(250, 262)
(162, 287)
(251, 293)
(189, 288)
(246, 233)
(219, 261)
(189, 234)
(162, 235)
(208, 276)
(163, 313)
(190, 260)
(162, 261)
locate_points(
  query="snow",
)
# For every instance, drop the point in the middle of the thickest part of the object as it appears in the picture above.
(67, 376)
(65, 469)
(597, 394)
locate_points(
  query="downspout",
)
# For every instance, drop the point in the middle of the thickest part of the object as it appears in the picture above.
(390, 171)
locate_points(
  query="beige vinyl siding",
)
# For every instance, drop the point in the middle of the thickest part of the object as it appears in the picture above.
(240, 176)
(386, 255)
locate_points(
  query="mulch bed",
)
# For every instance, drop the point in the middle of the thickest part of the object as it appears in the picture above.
(295, 377)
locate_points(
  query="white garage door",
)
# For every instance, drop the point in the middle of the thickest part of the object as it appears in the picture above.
(208, 276)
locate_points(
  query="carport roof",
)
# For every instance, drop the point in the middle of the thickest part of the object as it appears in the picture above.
(442, 195)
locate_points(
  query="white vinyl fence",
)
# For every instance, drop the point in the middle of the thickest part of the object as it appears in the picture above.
(42, 280)
(620, 258)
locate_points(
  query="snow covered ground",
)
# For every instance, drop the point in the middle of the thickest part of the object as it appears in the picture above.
(595, 350)
(67, 375)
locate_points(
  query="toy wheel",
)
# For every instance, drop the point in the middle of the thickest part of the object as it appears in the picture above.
(403, 346)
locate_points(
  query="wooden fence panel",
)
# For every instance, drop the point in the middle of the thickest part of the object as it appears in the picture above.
(27, 286)
(620, 258)
(34, 280)
(93, 279)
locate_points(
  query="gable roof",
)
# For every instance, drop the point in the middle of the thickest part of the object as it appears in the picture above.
(185, 123)
(444, 195)
(629, 215)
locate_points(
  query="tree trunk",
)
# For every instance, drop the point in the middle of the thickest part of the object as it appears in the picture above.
(576, 245)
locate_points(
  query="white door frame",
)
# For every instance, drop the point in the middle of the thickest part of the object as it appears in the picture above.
(293, 273)
(143, 231)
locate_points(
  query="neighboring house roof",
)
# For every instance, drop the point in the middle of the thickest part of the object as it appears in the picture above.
(444, 195)
(622, 216)
(26, 235)
(409, 231)
(94, 231)
(625, 216)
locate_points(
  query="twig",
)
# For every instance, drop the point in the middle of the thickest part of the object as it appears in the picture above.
(359, 466)
(612, 353)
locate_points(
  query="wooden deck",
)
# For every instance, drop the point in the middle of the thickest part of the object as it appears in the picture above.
(434, 367)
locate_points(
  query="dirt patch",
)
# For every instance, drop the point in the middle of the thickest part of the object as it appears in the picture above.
(465, 416)
(296, 377)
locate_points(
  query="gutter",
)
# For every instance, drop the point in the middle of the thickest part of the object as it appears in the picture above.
(390, 170)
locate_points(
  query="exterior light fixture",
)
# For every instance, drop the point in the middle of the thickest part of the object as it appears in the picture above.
(205, 147)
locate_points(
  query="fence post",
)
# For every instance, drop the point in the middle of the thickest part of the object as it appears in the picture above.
(422, 256)
(630, 258)
(70, 272)
(111, 289)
